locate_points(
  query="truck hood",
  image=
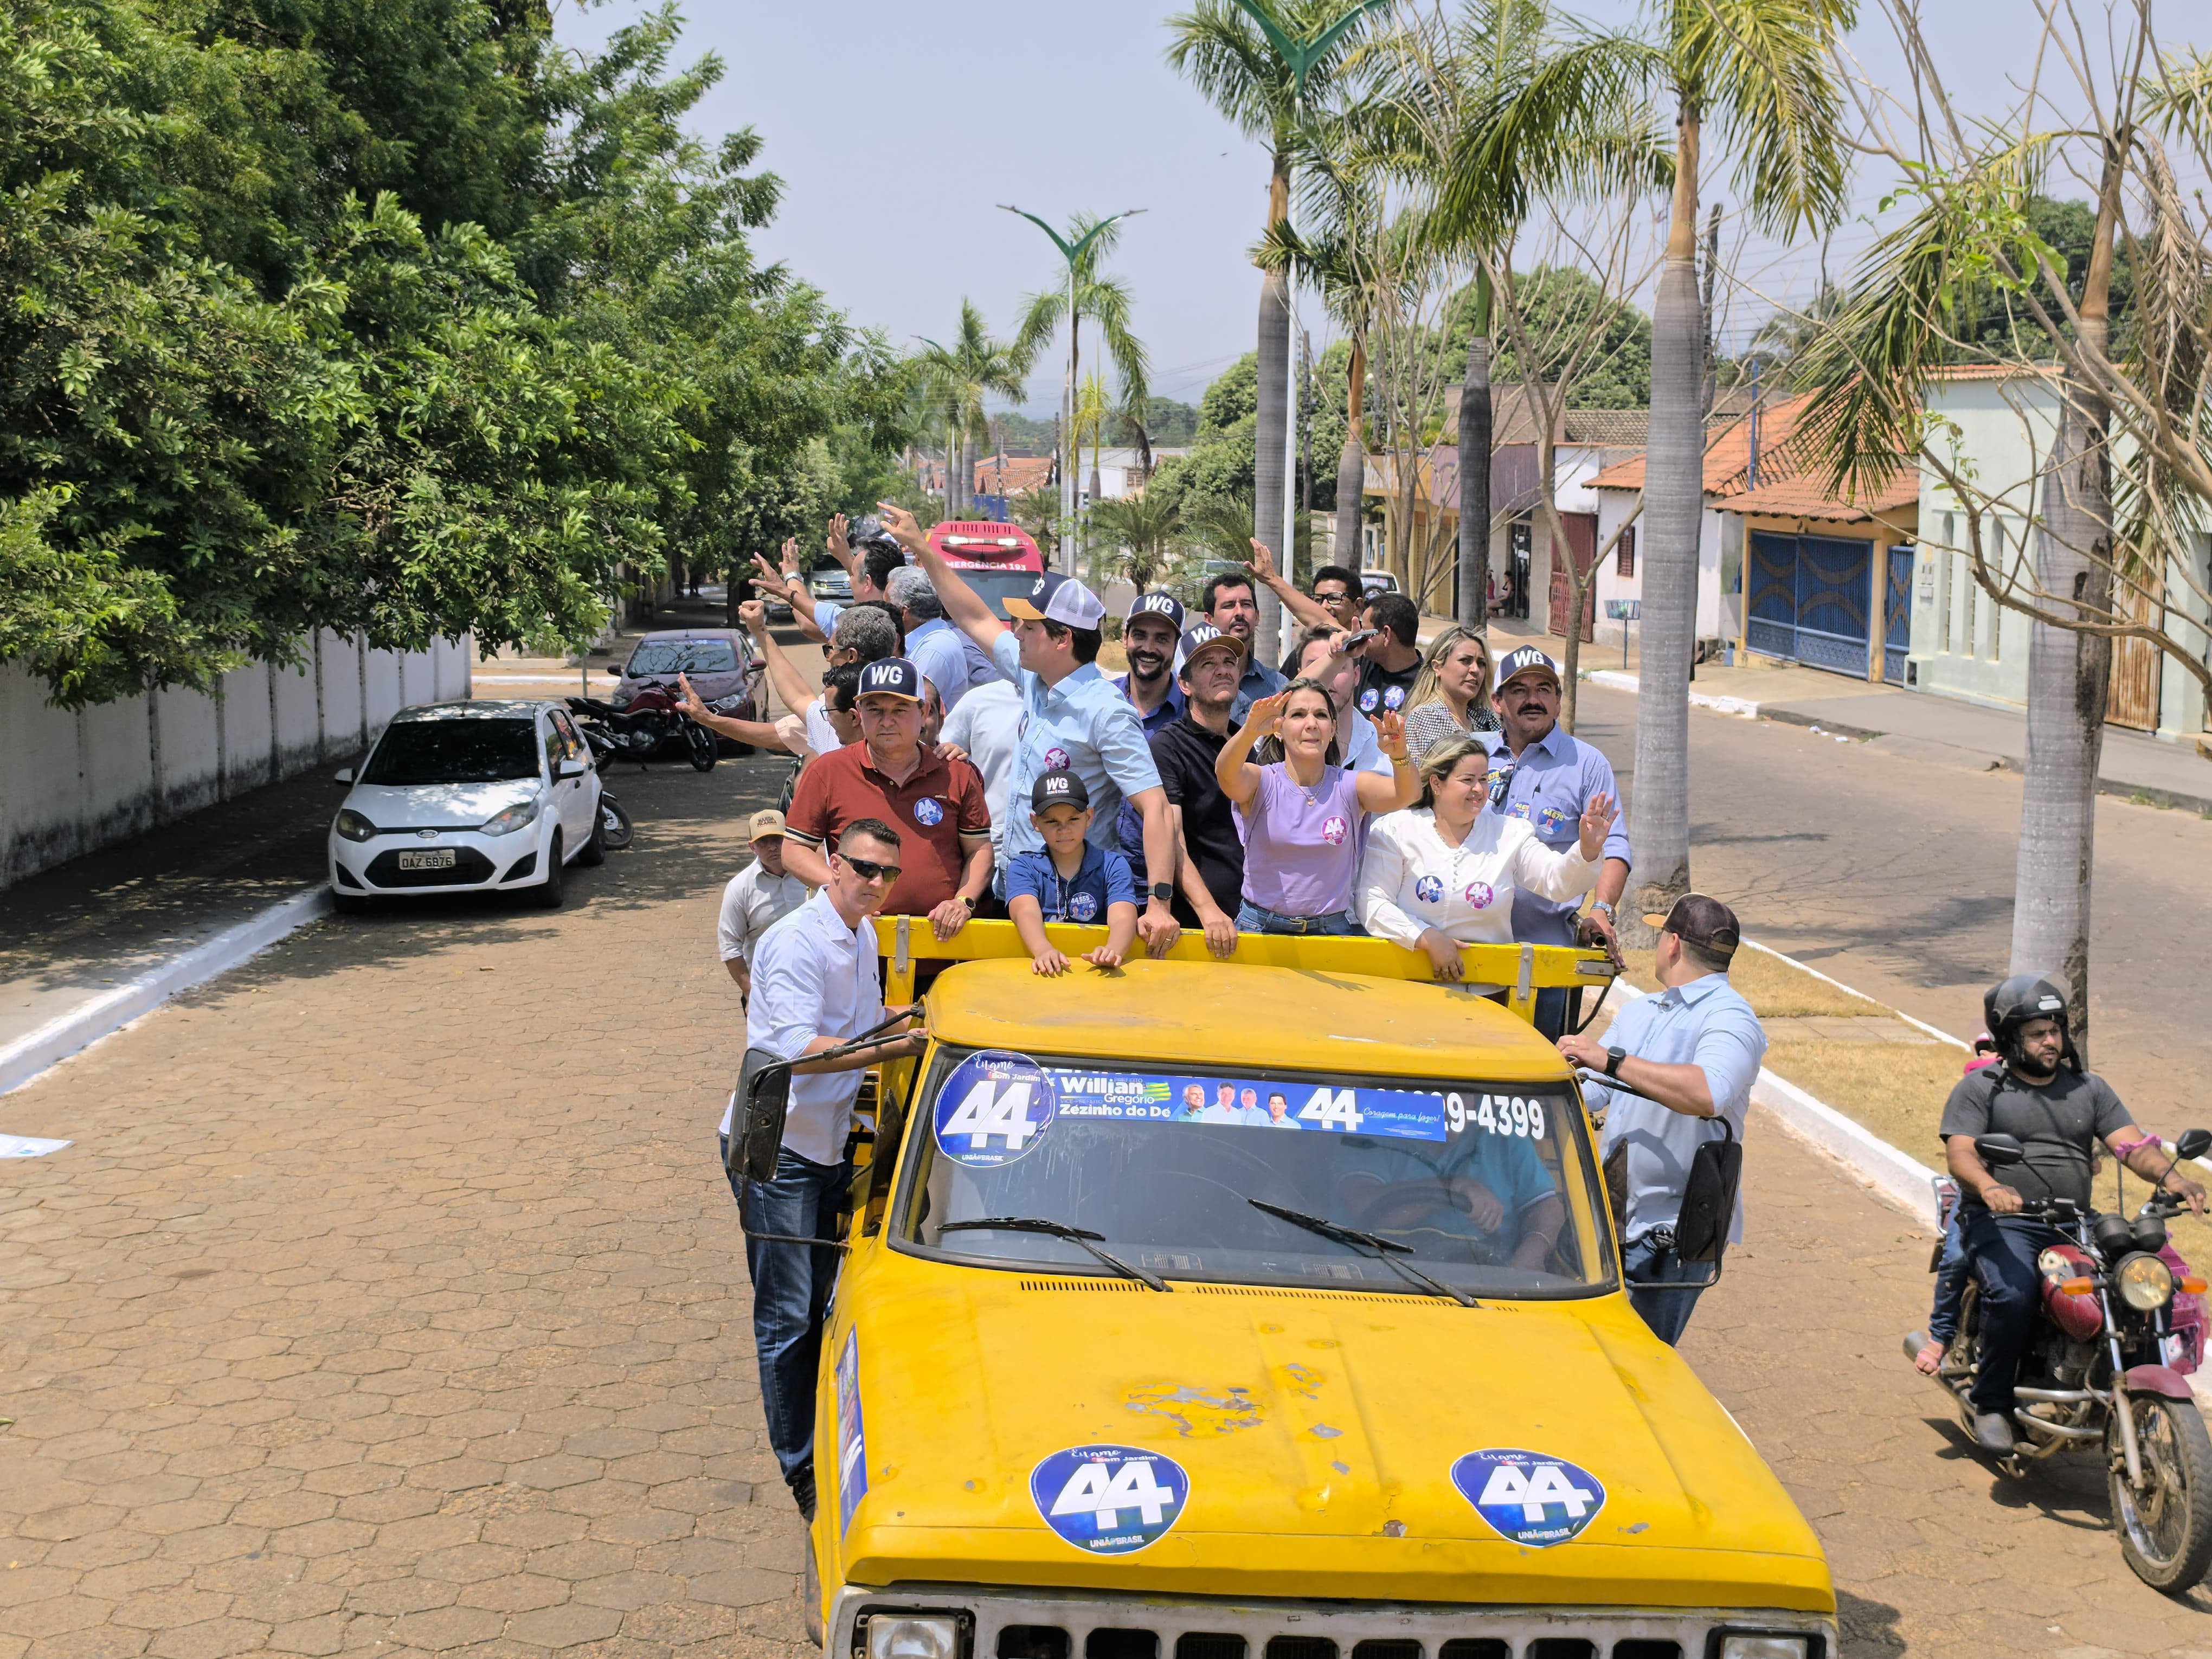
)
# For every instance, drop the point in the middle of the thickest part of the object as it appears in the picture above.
(438, 805)
(1315, 1436)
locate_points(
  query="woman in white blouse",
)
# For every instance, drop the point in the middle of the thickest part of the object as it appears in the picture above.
(1439, 876)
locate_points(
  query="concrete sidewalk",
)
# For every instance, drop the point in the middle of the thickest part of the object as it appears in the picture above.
(2134, 766)
(91, 944)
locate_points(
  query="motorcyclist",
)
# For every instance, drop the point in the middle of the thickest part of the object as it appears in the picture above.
(2041, 1094)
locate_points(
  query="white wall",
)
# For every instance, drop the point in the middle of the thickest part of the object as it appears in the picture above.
(1963, 645)
(70, 783)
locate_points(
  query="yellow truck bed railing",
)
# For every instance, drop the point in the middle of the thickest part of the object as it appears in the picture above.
(1523, 969)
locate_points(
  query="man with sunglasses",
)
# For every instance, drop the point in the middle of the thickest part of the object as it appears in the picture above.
(814, 990)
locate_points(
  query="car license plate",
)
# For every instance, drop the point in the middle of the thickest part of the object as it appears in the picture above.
(438, 857)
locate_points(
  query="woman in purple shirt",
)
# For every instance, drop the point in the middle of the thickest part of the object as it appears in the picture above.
(1300, 818)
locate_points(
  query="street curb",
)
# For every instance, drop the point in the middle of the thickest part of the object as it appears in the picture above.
(1613, 680)
(29, 1056)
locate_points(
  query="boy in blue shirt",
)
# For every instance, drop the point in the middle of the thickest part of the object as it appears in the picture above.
(1070, 880)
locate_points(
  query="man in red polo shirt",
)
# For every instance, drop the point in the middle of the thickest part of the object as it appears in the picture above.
(936, 806)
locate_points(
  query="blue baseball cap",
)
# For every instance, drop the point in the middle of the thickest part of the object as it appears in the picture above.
(889, 677)
(1057, 598)
(1156, 604)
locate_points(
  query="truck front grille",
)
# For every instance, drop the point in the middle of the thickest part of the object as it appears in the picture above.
(1101, 1625)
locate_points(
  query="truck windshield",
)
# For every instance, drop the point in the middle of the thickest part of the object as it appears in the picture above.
(1212, 1173)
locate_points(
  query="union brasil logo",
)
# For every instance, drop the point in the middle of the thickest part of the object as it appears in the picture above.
(1528, 1497)
(1110, 1500)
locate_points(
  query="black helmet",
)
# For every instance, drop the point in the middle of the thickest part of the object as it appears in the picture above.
(2010, 1004)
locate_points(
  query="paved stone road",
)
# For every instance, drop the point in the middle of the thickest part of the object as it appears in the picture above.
(389, 1304)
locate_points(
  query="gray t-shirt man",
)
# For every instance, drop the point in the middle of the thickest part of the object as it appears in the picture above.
(2058, 1123)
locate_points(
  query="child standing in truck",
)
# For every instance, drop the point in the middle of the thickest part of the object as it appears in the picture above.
(1069, 880)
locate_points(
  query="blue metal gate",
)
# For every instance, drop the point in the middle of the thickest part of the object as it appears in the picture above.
(1897, 615)
(1811, 600)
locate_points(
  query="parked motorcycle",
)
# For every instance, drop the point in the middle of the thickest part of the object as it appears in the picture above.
(2121, 1325)
(652, 720)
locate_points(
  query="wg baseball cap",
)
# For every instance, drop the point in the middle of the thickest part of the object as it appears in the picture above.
(765, 822)
(889, 677)
(1156, 604)
(1521, 661)
(1057, 598)
(1059, 788)
(1198, 637)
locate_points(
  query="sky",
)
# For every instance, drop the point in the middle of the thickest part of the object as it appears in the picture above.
(899, 128)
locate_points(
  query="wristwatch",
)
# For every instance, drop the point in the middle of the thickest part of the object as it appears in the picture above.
(1613, 1059)
(1605, 905)
(969, 903)
(1163, 890)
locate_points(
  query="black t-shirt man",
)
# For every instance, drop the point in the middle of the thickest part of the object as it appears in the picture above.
(1381, 690)
(1185, 752)
(2057, 1123)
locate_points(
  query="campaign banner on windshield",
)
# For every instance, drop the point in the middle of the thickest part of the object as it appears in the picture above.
(1528, 1497)
(1257, 1104)
(994, 1107)
(1110, 1500)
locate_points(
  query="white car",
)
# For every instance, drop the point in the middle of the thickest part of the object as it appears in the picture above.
(467, 797)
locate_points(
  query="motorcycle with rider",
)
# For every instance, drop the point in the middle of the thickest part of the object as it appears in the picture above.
(2073, 1327)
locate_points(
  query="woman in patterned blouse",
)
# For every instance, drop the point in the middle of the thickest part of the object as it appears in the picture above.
(1450, 696)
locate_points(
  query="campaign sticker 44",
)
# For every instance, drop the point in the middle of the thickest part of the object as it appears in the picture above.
(1110, 1500)
(1528, 1497)
(993, 1107)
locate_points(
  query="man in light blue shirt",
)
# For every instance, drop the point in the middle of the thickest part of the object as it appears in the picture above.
(1545, 777)
(933, 644)
(1072, 717)
(1691, 1052)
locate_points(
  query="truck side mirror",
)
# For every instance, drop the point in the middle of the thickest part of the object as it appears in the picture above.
(2194, 1143)
(1999, 1151)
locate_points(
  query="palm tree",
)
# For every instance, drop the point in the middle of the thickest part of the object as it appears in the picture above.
(955, 384)
(1267, 66)
(1763, 68)
(1498, 109)
(1094, 413)
(1105, 300)
(1148, 529)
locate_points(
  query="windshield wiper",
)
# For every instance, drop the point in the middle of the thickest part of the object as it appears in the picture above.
(1014, 1224)
(1387, 1250)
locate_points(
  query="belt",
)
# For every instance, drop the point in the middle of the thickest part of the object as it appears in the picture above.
(1300, 924)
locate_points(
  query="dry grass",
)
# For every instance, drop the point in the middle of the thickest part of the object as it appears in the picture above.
(1895, 1089)
(1774, 988)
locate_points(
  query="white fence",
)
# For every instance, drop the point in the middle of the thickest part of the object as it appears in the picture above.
(70, 783)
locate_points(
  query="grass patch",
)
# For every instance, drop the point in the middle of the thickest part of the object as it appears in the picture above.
(1775, 989)
(1895, 1089)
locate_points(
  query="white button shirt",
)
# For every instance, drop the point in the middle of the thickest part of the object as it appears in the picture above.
(1412, 879)
(814, 976)
(987, 727)
(752, 903)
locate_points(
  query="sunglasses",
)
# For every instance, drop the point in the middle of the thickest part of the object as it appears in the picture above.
(1330, 596)
(868, 872)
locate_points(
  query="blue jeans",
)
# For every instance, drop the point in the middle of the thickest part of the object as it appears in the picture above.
(791, 1289)
(1253, 919)
(2002, 1250)
(1667, 1312)
(1951, 1270)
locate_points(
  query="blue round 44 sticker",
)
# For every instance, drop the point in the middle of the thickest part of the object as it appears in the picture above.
(993, 1107)
(1528, 1497)
(1110, 1500)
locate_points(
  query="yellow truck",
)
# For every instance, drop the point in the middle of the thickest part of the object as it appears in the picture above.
(1266, 1308)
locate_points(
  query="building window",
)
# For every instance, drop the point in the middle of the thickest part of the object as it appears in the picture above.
(1624, 562)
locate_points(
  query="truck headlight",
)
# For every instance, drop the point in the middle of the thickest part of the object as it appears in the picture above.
(2146, 1283)
(506, 822)
(353, 826)
(912, 1636)
(1765, 1647)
